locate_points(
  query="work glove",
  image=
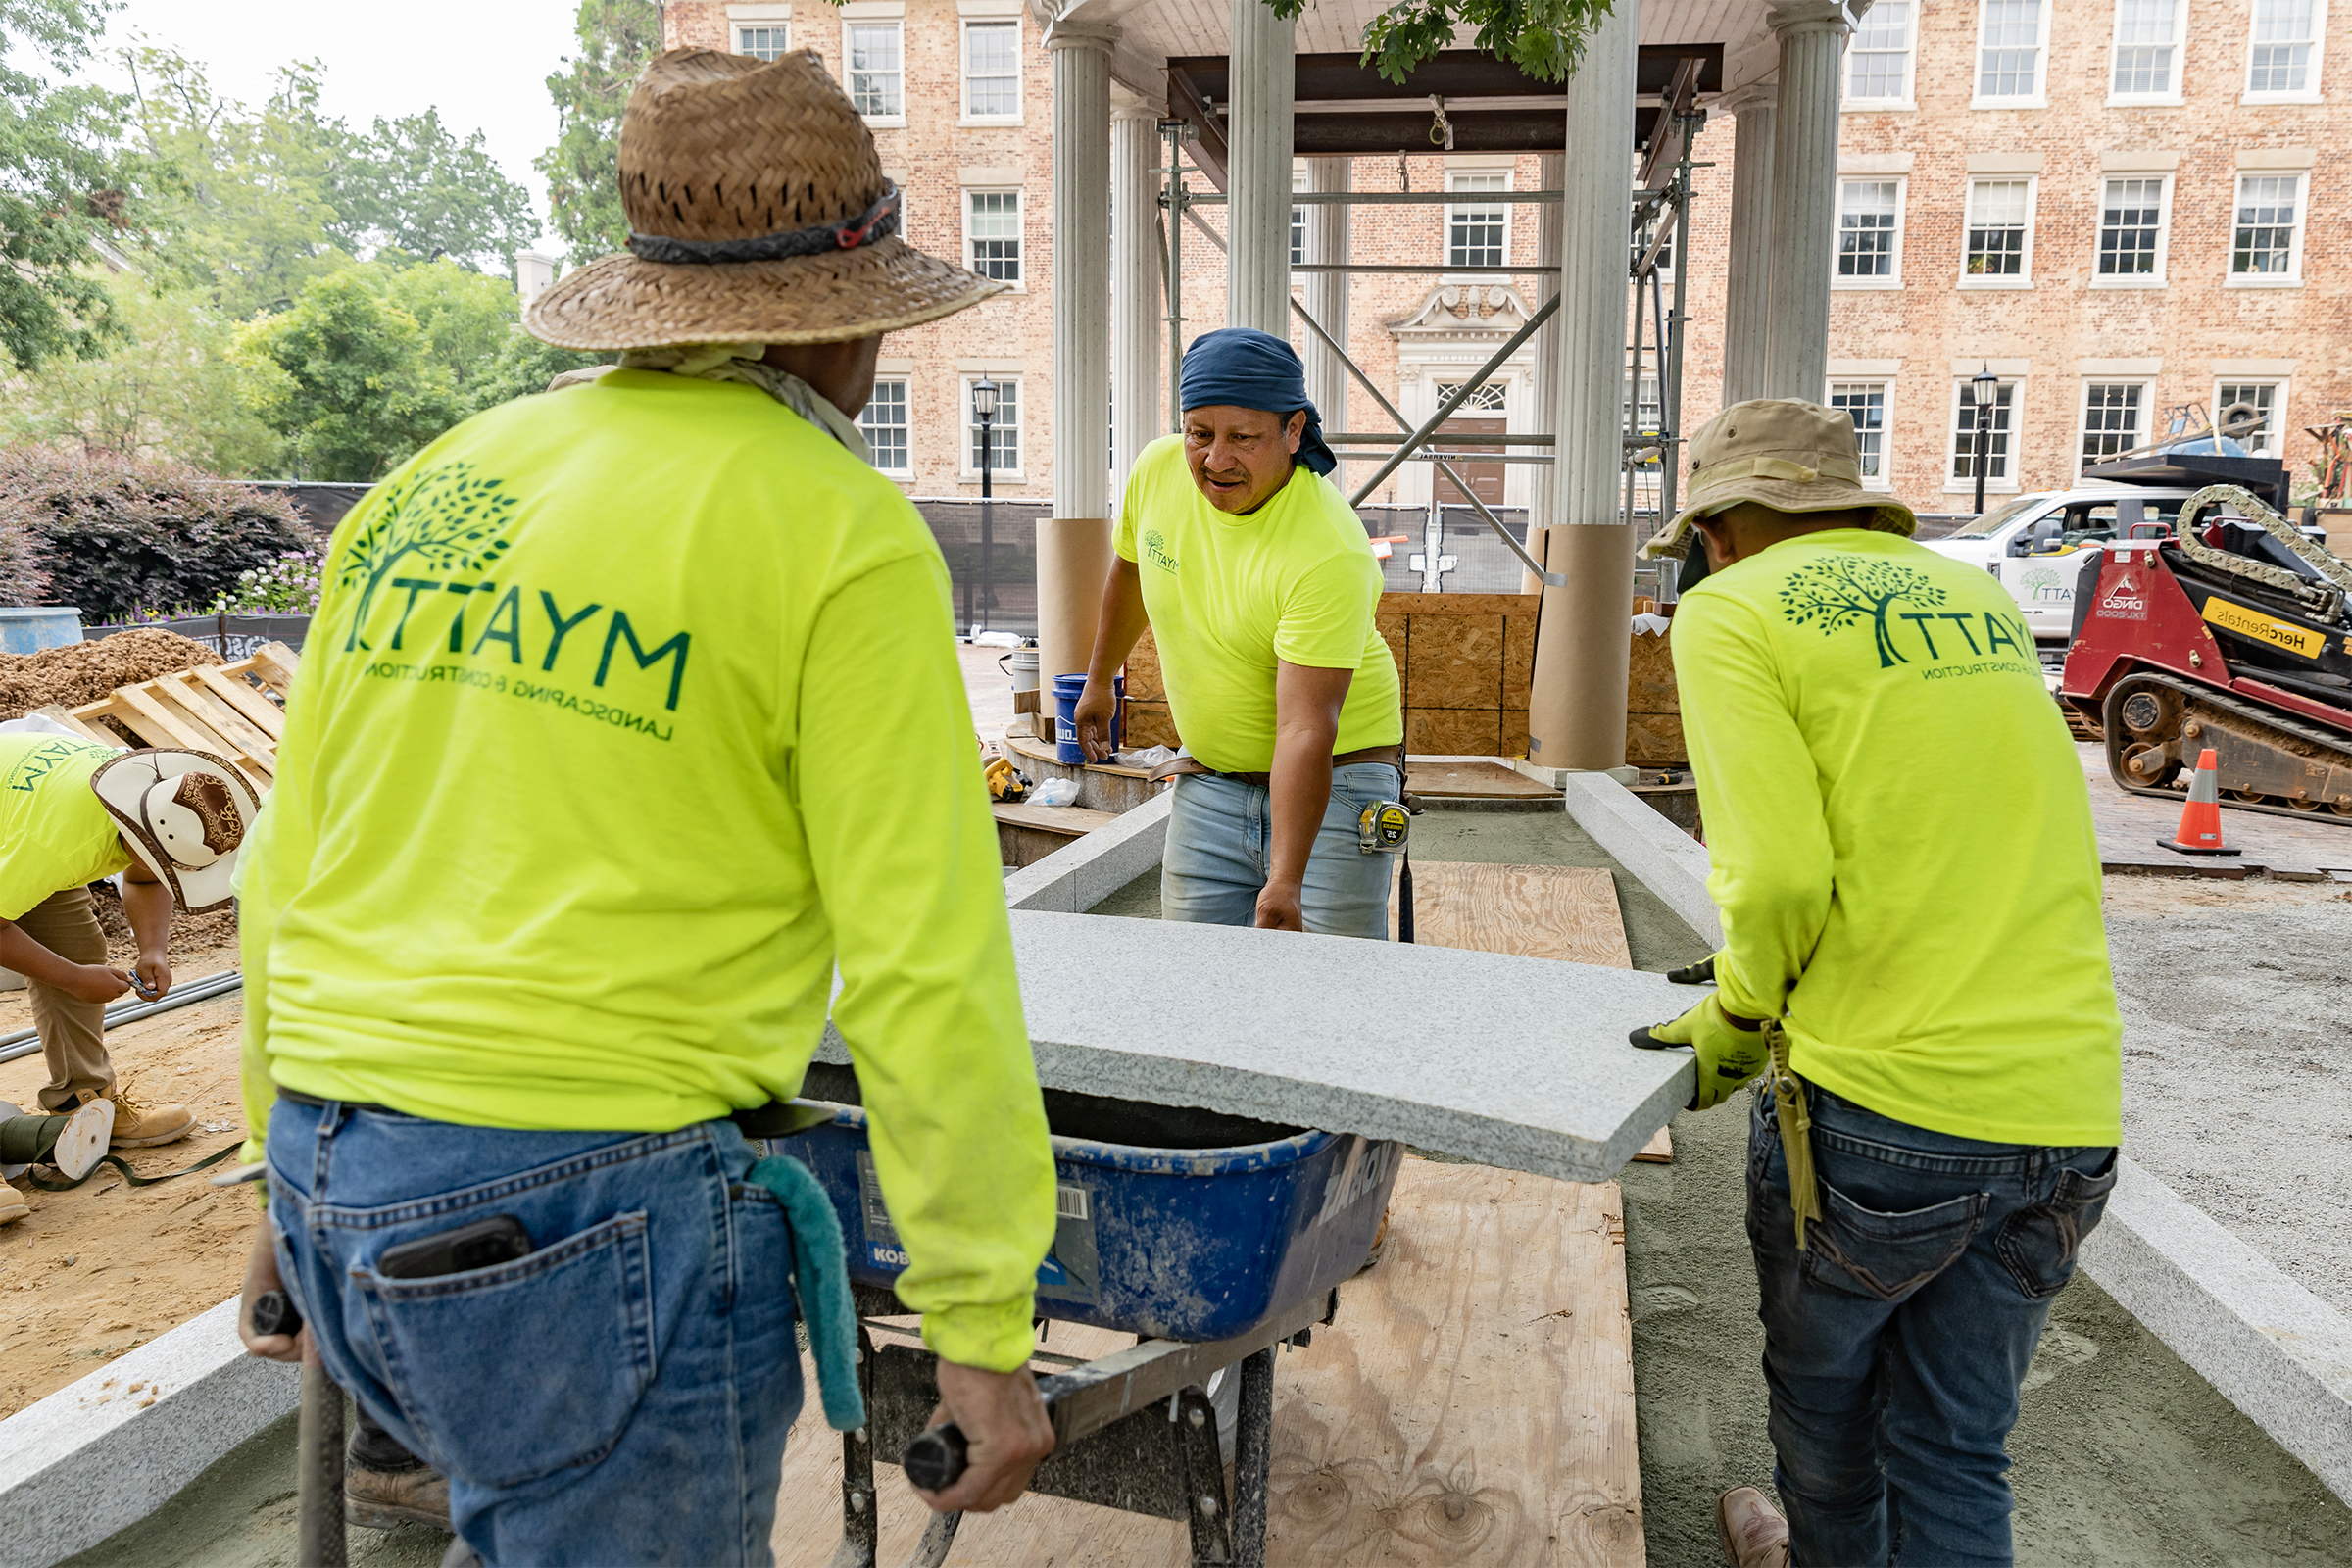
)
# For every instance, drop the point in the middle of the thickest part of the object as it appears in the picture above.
(1701, 974)
(1729, 1055)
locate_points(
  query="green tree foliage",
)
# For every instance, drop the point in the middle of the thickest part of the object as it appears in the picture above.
(1546, 38)
(62, 183)
(616, 39)
(410, 186)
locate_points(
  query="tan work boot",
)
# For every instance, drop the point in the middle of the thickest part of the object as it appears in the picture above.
(138, 1126)
(12, 1207)
(1752, 1531)
(383, 1498)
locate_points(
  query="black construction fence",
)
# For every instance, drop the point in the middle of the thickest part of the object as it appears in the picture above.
(233, 637)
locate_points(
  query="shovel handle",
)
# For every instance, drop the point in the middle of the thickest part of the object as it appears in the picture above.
(937, 1458)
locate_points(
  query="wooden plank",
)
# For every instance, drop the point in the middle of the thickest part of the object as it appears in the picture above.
(1482, 780)
(186, 729)
(1536, 912)
(273, 664)
(258, 711)
(246, 743)
(1070, 821)
(95, 732)
(142, 722)
(1660, 1151)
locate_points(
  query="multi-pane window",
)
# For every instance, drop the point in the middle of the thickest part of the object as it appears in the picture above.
(1004, 428)
(1878, 63)
(877, 69)
(1648, 234)
(2285, 37)
(1997, 446)
(992, 69)
(2263, 439)
(885, 424)
(767, 40)
(1999, 211)
(2147, 48)
(2268, 224)
(2009, 49)
(2114, 418)
(1475, 236)
(1492, 396)
(2131, 227)
(1866, 227)
(992, 233)
(1866, 403)
(1298, 223)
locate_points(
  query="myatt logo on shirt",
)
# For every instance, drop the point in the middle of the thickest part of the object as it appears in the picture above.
(1155, 550)
(449, 522)
(43, 760)
(1839, 592)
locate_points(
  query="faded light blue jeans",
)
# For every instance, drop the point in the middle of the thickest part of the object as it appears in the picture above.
(1220, 832)
(1894, 1345)
(618, 1395)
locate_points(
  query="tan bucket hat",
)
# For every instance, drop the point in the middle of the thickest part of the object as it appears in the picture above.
(758, 213)
(185, 815)
(1789, 455)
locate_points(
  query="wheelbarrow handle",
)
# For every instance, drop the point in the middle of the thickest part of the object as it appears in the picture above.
(937, 1458)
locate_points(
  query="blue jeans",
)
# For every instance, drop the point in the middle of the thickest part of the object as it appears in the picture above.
(1220, 832)
(1894, 1345)
(618, 1395)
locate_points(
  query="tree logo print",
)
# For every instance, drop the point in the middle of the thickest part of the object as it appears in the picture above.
(1834, 592)
(443, 519)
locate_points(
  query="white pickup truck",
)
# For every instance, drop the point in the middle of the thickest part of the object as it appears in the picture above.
(2030, 543)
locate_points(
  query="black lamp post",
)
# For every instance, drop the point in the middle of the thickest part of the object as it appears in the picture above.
(1986, 386)
(984, 405)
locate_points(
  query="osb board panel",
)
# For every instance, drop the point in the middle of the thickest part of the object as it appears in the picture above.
(1650, 681)
(1454, 661)
(1534, 911)
(1143, 670)
(1149, 724)
(1518, 660)
(1514, 733)
(1655, 740)
(1490, 780)
(1459, 604)
(1391, 626)
(1453, 732)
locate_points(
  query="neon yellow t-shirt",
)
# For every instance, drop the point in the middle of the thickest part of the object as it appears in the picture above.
(54, 834)
(630, 711)
(1294, 582)
(1901, 837)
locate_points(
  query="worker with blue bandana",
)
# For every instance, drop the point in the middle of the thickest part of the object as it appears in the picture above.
(1259, 585)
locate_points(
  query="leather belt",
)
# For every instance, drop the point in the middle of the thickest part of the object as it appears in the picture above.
(1179, 767)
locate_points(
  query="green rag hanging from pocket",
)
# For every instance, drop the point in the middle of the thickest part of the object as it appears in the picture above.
(821, 1280)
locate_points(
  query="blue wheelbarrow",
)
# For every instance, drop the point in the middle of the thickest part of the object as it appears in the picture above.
(1212, 1238)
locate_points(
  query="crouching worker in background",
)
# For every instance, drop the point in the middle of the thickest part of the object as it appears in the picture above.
(580, 806)
(1920, 965)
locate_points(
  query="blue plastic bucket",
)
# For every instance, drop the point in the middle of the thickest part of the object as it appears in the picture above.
(30, 628)
(1067, 689)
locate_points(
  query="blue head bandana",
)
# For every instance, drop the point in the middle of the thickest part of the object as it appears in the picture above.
(1246, 369)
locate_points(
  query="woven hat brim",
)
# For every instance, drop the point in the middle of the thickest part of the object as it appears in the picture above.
(1889, 516)
(622, 302)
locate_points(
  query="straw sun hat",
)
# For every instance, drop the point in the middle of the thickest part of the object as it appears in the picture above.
(1791, 455)
(758, 213)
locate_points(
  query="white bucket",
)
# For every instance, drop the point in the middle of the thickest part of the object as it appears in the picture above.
(1022, 663)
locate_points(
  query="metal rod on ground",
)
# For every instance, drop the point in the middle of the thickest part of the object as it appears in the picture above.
(320, 1538)
(1421, 435)
(24, 1042)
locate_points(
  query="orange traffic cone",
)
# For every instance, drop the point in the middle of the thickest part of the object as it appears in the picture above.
(2201, 818)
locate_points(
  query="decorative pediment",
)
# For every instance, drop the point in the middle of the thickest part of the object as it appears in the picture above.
(1462, 313)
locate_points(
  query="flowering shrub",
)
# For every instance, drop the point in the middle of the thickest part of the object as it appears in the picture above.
(286, 586)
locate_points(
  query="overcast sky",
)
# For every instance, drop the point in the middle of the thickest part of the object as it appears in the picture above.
(482, 62)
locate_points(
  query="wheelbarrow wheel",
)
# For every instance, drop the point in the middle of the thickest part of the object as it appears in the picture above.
(1252, 1460)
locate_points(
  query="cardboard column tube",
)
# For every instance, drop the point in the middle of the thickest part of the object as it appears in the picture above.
(1073, 561)
(1584, 647)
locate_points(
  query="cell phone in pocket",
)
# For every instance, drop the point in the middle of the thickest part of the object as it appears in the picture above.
(482, 1243)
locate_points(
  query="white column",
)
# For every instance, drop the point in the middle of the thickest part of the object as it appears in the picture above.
(1135, 287)
(1576, 715)
(1543, 407)
(1747, 270)
(1327, 292)
(1073, 546)
(1805, 197)
(1258, 169)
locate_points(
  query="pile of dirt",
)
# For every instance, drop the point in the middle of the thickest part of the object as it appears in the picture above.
(83, 673)
(215, 930)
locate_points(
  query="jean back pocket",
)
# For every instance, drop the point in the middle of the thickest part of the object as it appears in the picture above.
(1882, 1257)
(2038, 1245)
(515, 1372)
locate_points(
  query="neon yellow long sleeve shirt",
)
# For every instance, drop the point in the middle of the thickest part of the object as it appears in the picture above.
(631, 713)
(1901, 839)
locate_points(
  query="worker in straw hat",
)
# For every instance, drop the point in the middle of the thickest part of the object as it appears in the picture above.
(631, 728)
(73, 812)
(1913, 957)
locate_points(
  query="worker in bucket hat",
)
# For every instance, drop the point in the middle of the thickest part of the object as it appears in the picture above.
(630, 728)
(1914, 963)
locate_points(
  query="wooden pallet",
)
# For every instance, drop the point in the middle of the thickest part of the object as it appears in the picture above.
(226, 710)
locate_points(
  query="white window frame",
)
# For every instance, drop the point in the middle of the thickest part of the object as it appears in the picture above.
(1885, 479)
(2147, 413)
(1297, 230)
(2292, 277)
(1445, 239)
(2310, 93)
(2163, 231)
(1910, 54)
(2040, 97)
(740, 26)
(2009, 485)
(1902, 195)
(2277, 423)
(906, 386)
(2179, 43)
(849, 73)
(963, 72)
(1021, 218)
(967, 424)
(2024, 277)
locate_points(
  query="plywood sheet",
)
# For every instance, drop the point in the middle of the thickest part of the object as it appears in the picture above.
(1536, 912)
(1453, 732)
(1149, 724)
(1485, 780)
(1144, 678)
(1454, 661)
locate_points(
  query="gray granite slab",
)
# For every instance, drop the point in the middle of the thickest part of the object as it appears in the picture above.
(1516, 1062)
(1083, 873)
(1667, 860)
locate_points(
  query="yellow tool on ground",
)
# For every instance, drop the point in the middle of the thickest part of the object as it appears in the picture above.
(1003, 784)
